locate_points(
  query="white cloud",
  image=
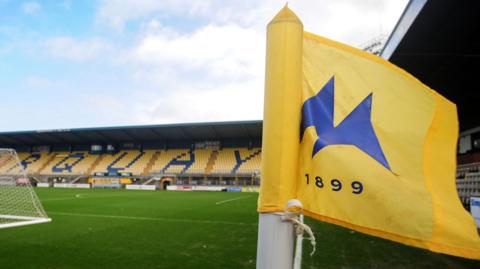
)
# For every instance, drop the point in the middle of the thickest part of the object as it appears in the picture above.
(175, 60)
(116, 13)
(31, 7)
(221, 51)
(77, 49)
(349, 21)
(35, 82)
(211, 72)
(214, 73)
(233, 101)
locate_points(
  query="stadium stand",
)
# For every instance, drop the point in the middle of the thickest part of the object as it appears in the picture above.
(131, 161)
(225, 162)
(248, 161)
(31, 162)
(468, 165)
(468, 182)
(172, 161)
(138, 164)
(66, 163)
(6, 163)
(175, 161)
(202, 156)
(34, 162)
(237, 160)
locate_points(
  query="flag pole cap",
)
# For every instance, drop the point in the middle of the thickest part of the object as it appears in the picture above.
(285, 15)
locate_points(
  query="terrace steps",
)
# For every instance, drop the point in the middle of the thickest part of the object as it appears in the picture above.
(211, 162)
(150, 163)
(95, 164)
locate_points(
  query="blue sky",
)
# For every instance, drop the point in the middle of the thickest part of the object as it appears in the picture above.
(71, 64)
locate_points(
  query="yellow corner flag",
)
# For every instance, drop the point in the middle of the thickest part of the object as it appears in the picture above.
(362, 143)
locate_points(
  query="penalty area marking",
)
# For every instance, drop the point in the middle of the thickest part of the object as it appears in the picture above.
(231, 200)
(152, 219)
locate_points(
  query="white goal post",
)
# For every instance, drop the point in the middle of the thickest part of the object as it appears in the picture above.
(19, 204)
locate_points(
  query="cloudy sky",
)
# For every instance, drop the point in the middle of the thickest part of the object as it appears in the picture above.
(70, 64)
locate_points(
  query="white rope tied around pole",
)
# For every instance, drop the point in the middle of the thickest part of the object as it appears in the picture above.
(292, 215)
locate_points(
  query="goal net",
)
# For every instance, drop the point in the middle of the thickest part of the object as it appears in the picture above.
(19, 205)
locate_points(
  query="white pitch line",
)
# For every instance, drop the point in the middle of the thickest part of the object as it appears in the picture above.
(82, 196)
(152, 219)
(230, 200)
(58, 199)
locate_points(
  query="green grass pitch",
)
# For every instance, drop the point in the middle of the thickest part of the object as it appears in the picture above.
(142, 229)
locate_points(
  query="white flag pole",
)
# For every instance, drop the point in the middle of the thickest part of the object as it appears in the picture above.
(281, 136)
(275, 242)
(276, 237)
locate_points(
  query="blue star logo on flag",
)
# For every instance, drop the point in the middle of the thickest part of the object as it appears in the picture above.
(356, 129)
